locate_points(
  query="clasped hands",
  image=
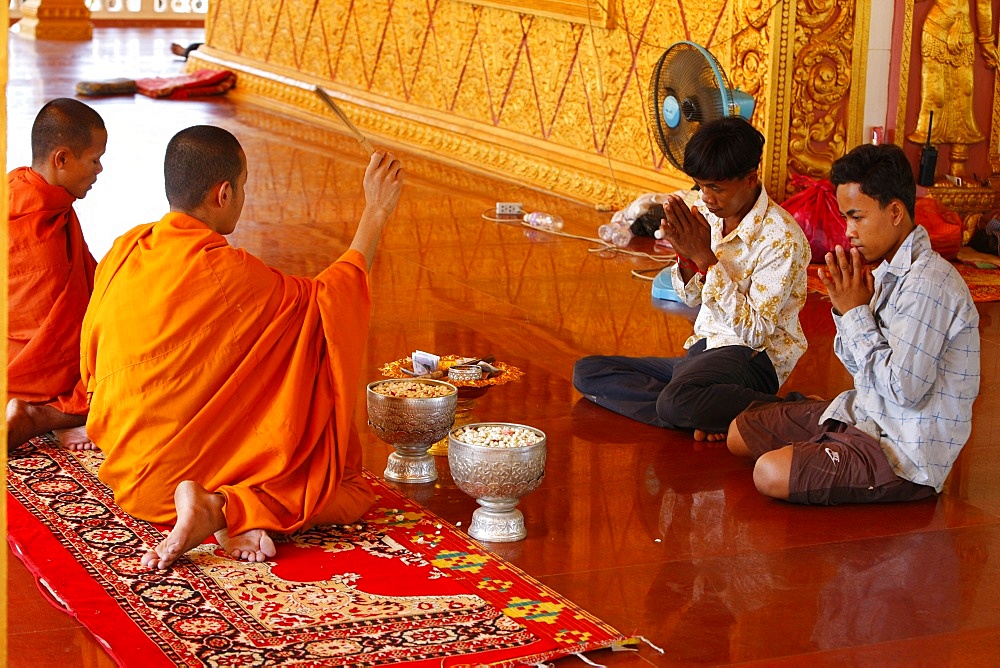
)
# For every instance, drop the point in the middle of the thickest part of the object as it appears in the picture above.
(848, 279)
(688, 232)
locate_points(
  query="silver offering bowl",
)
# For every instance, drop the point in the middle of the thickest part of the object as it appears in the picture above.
(497, 477)
(410, 425)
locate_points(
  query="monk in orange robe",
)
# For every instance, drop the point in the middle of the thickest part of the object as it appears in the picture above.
(222, 390)
(51, 275)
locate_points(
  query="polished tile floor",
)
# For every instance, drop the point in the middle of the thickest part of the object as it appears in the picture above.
(654, 533)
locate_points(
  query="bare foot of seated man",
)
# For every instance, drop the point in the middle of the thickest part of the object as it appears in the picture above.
(700, 435)
(199, 515)
(26, 421)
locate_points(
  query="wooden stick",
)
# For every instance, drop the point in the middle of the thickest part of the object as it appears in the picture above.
(340, 114)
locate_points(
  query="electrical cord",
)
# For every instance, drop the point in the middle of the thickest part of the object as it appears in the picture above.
(603, 246)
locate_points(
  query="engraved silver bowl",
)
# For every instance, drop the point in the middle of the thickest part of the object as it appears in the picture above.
(497, 477)
(410, 425)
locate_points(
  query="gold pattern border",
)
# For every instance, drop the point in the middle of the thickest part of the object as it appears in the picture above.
(775, 168)
(574, 11)
(994, 152)
(904, 72)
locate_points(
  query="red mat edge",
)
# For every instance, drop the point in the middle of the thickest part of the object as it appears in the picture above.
(37, 541)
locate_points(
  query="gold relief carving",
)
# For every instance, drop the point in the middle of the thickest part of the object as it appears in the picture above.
(821, 82)
(749, 72)
(948, 49)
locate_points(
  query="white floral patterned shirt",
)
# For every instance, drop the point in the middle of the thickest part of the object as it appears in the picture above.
(914, 355)
(753, 295)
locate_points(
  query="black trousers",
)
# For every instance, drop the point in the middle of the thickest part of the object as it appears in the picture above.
(704, 390)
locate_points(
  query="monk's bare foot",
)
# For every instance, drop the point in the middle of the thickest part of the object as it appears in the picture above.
(75, 438)
(700, 435)
(26, 421)
(199, 515)
(253, 545)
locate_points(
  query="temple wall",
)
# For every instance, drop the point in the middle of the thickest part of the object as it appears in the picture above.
(548, 93)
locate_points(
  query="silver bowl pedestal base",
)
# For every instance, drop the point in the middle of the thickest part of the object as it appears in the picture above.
(410, 468)
(497, 521)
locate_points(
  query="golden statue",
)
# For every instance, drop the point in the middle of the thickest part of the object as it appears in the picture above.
(947, 50)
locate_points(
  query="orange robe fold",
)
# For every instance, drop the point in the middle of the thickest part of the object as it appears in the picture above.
(205, 364)
(50, 282)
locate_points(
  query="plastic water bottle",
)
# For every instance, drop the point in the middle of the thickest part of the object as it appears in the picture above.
(615, 233)
(606, 232)
(544, 221)
(622, 236)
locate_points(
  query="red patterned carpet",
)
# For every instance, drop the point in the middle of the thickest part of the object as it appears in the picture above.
(399, 587)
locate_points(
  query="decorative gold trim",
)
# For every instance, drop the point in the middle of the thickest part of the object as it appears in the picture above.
(566, 171)
(574, 11)
(994, 152)
(778, 94)
(906, 55)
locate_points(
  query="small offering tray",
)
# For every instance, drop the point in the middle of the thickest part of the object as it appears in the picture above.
(465, 387)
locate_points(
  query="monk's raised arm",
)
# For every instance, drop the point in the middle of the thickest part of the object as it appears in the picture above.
(383, 182)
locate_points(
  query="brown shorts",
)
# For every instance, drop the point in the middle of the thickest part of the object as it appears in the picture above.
(832, 462)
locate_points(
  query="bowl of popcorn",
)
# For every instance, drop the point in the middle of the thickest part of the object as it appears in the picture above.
(497, 463)
(410, 415)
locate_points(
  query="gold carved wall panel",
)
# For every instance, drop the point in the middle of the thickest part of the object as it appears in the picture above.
(553, 103)
(831, 40)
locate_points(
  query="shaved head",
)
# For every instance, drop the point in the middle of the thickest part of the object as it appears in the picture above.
(198, 159)
(63, 122)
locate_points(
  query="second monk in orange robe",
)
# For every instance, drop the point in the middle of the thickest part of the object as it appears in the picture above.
(223, 391)
(51, 275)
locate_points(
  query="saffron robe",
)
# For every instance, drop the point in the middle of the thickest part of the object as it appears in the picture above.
(205, 364)
(50, 282)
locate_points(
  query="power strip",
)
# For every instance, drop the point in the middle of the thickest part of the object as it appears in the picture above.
(509, 208)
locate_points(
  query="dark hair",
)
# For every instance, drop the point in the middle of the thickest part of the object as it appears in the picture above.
(198, 159)
(723, 150)
(63, 122)
(882, 171)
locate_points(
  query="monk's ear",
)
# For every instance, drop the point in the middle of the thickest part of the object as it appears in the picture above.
(60, 157)
(221, 194)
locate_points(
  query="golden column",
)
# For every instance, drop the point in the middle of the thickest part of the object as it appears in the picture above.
(67, 20)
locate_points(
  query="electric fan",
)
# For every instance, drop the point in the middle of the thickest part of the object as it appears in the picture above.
(689, 87)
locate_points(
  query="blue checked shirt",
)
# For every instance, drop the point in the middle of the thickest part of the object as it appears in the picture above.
(914, 355)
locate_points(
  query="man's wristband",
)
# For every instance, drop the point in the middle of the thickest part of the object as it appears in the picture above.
(685, 263)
